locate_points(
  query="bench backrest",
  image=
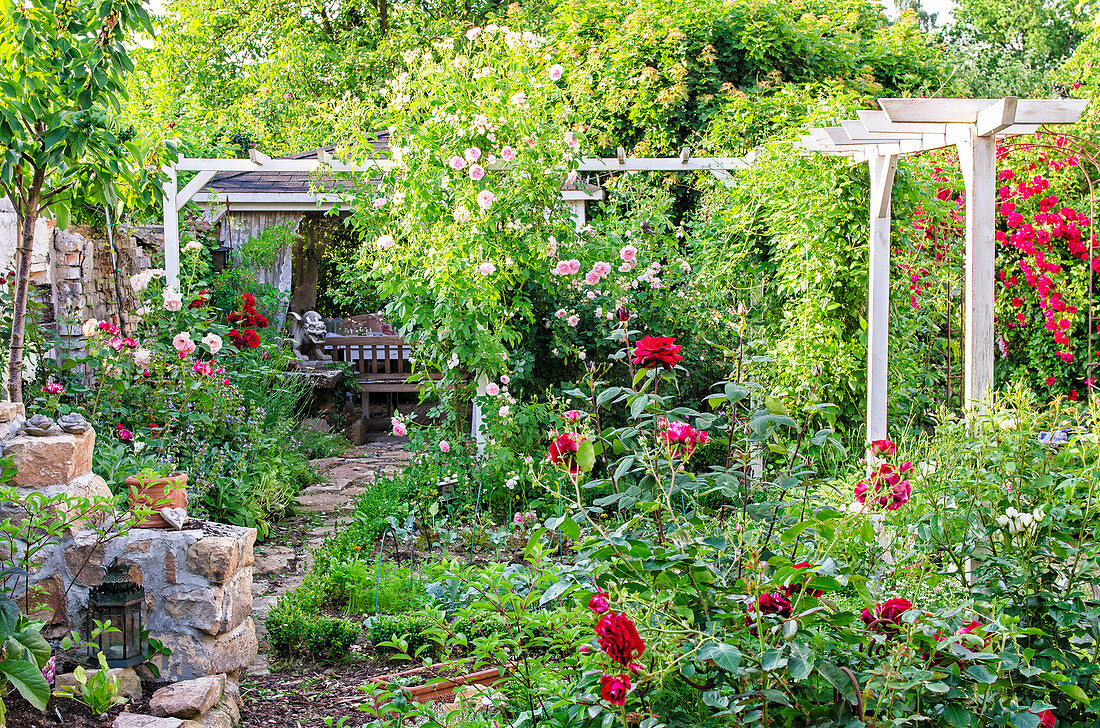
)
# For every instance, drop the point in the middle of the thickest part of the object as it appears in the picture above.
(372, 356)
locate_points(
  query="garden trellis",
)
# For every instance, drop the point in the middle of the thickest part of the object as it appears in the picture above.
(910, 126)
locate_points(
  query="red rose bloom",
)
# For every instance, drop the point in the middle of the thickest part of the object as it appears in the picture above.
(654, 351)
(887, 616)
(258, 320)
(1046, 719)
(883, 448)
(613, 688)
(563, 451)
(599, 603)
(619, 638)
(248, 300)
(775, 603)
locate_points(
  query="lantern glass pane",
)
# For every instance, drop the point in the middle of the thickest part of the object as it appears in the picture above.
(133, 630)
(111, 642)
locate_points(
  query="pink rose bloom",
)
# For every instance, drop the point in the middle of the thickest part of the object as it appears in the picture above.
(574, 266)
(518, 98)
(518, 519)
(473, 154)
(385, 241)
(573, 415)
(508, 154)
(573, 320)
(529, 141)
(492, 389)
(444, 446)
(485, 199)
(571, 177)
(562, 268)
(457, 162)
(571, 140)
(628, 253)
(184, 345)
(379, 203)
(505, 379)
(555, 72)
(591, 278)
(225, 382)
(487, 269)
(53, 388)
(560, 313)
(399, 429)
(601, 268)
(477, 172)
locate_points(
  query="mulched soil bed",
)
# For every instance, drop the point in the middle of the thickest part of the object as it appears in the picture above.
(305, 695)
(65, 713)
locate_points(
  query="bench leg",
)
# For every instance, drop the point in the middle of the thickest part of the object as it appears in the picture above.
(366, 405)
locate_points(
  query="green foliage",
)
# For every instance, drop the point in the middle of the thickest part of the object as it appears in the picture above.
(294, 632)
(360, 584)
(99, 690)
(412, 630)
(315, 445)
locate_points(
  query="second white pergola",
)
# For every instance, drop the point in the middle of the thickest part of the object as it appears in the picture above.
(909, 126)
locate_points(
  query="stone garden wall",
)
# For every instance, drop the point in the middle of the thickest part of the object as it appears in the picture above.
(197, 581)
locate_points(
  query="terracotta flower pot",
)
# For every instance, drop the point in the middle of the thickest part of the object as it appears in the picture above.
(157, 493)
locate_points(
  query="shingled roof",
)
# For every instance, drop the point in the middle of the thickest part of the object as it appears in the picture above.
(269, 182)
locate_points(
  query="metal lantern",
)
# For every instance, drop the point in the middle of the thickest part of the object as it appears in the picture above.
(220, 257)
(117, 600)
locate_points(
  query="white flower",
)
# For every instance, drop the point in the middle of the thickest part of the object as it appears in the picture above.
(90, 326)
(213, 342)
(142, 357)
(192, 247)
(503, 411)
(173, 299)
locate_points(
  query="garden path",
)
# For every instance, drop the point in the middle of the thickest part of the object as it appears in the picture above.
(284, 558)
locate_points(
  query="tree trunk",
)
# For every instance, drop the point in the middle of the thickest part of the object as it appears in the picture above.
(26, 218)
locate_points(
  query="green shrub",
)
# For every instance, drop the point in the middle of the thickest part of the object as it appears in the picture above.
(315, 445)
(294, 631)
(364, 588)
(413, 628)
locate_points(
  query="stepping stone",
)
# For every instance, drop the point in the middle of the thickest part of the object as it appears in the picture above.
(188, 699)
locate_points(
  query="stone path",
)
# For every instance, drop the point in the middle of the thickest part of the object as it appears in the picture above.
(283, 560)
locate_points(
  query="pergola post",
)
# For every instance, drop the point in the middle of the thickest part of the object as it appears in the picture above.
(171, 229)
(978, 158)
(882, 169)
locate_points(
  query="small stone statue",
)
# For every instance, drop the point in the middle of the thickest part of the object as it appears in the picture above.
(74, 423)
(38, 426)
(307, 336)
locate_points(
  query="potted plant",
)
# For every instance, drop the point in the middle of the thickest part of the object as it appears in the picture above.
(156, 487)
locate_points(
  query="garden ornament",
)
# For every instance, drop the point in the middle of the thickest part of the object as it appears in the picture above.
(176, 517)
(307, 337)
(38, 426)
(74, 423)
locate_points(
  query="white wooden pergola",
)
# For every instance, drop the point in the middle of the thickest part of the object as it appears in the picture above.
(173, 198)
(909, 126)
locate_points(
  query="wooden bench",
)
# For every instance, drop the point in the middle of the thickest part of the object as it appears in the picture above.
(380, 363)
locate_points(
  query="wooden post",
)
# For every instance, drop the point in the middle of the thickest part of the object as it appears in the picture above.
(171, 229)
(978, 158)
(882, 168)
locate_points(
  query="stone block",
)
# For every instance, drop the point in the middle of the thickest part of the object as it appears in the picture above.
(50, 460)
(248, 544)
(188, 699)
(136, 720)
(85, 558)
(129, 684)
(198, 655)
(11, 411)
(215, 558)
(45, 601)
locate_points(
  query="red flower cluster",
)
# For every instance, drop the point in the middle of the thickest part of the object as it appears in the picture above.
(200, 300)
(887, 616)
(680, 437)
(883, 448)
(619, 638)
(110, 328)
(247, 339)
(657, 351)
(123, 434)
(775, 603)
(886, 487)
(599, 603)
(247, 315)
(53, 388)
(563, 451)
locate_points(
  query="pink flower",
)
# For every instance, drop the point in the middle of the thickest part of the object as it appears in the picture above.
(573, 415)
(385, 241)
(508, 154)
(225, 382)
(457, 162)
(476, 172)
(518, 98)
(184, 346)
(584, 650)
(571, 140)
(562, 268)
(555, 72)
(601, 268)
(379, 203)
(123, 434)
(53, 388)
(591, 278)
(560, 313)
(473, 154)
(628, 253)
(485, 199)
(444, 446)
(574, 266)
(399, 429)
(492, 389)
(573, 320)
(487, 269)
(529, 141)
(505, 379)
